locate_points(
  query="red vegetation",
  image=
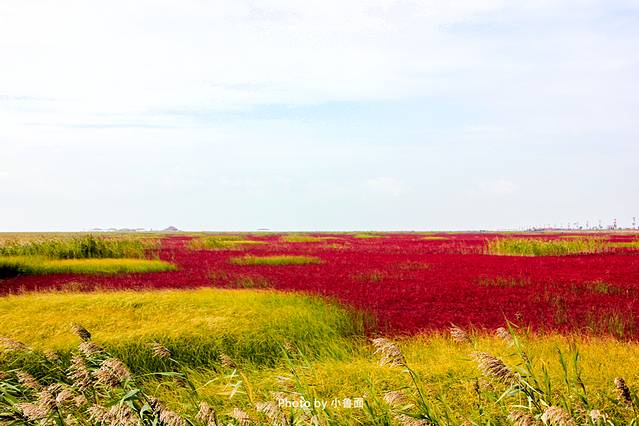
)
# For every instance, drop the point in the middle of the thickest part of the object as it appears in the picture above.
(410, 283)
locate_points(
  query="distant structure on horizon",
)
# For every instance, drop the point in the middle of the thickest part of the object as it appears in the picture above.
(576, 226)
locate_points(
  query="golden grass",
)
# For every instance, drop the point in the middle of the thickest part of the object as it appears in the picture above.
(275, 260)
(299, 238)
(539, 247)
(445, 367)
(38, 265)
(222, 242)
(255, 327)
(366, 235)
(198, 324)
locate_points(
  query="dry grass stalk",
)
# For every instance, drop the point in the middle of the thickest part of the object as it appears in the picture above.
(119, 414)
(241, 416)
(27, 380)
(160, 351)
(79, 373)
(51, 356)
(391, 355)
(226, 361)
(596, 416)
(90, 349)
(112, 373)
(33, 412)
(623, 390)
(273, 412)
(520, 418)
(405, 420)
(556, 416)
(504, 334)
(495, 368)
(11, 345)
(80, 401)
(458, 334)
(207, 415)
(169, 418)
(80, 331)
(396, 399)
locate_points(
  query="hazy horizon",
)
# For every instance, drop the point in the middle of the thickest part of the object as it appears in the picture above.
(363, 115)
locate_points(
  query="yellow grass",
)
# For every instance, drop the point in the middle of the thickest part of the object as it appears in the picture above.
(300, 238)
(42, 265)
(255, 326)
(275, 260)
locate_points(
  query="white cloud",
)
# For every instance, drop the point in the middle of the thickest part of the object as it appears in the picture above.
(164, 98)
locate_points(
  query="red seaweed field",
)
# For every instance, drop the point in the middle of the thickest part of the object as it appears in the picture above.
(409, 282)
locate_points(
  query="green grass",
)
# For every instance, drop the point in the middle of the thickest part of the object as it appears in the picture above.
(30, 265)
(302, 345)
(539, 247)
(197, 325)
(221, 242)
(366, 235)
(275, 260)
(299, 238)
(445, 368)
(79, 247)
(624, 244)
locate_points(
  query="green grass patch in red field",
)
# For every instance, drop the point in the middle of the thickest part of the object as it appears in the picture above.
(624, 244)
(275, 260)
(365, 235)
(39, 265)
(539, 247)
(300, 238)
(222, 242)
(60, 246)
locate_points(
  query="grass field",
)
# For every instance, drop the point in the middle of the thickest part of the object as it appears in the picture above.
(275, 260)
(301, 238)
(221, 242)
(537, 247)
(79, 254)
(239, 350)
(79, 247)
(15, 265)
(173, 357)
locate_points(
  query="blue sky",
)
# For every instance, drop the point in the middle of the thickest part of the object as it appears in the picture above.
(331, 115)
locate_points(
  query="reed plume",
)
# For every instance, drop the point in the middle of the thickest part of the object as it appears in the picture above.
(112, 373)
(80, 331)
(390, 353)
(623, 390)
(504, 335)
(241, 416)
(27, 380)
(273, 412)
(495, 368)
(458, 334)
(520, 418)
(396, 399)
(160, 351)
(556, 416)
(11, 345)
(206, 415)
(226, 361)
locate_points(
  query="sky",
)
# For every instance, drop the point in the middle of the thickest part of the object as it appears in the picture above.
(318, 115)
